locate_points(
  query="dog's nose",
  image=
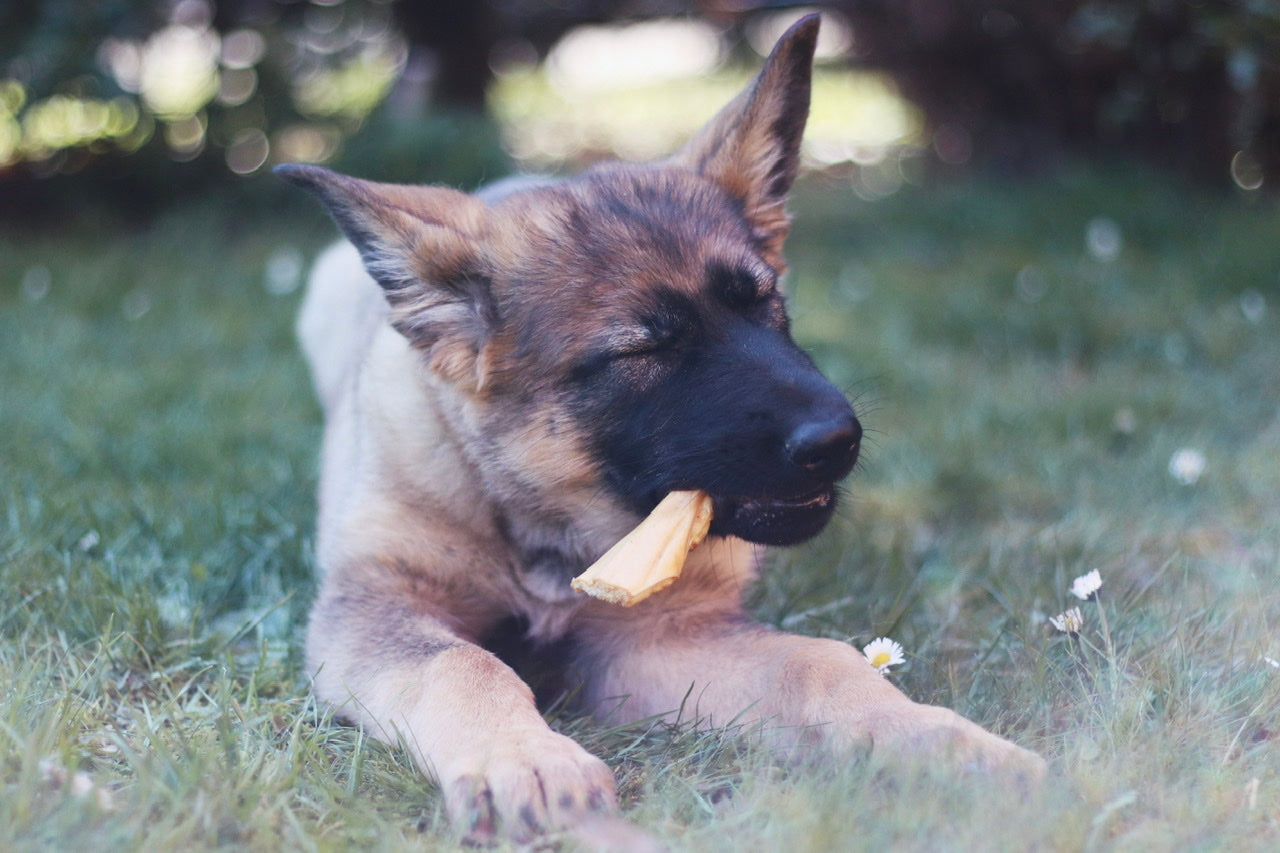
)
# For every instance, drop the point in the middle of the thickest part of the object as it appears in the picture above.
(826, 447)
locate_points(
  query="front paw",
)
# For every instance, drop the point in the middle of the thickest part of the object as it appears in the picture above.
(524, 785)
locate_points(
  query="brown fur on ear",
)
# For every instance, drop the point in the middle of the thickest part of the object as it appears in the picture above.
(751, 149)
(421, 244)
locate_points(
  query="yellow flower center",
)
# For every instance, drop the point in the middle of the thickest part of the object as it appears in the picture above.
(881, 659)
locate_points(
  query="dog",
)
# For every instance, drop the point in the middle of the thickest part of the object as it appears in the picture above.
(510, 382)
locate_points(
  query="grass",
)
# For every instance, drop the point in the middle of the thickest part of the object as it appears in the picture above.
(157, 445)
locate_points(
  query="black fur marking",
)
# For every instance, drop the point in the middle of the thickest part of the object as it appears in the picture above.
(543, 666)
(720, 416)
(750, 290)
(672, 318)
(737, 286)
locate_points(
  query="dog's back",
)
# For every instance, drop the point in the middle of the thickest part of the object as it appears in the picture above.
(341, 311)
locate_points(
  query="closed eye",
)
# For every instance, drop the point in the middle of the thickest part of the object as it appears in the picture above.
(622, 345)
(667, 326)
(631, 342)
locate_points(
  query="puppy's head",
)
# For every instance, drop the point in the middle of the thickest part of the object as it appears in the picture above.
(625, 328)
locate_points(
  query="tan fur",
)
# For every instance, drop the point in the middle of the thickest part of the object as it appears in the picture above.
(452, 464)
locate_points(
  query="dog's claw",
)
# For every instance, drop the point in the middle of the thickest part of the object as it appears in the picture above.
(600, 801)
(478, 819)
(527, 789)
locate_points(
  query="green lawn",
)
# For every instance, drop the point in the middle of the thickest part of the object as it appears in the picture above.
(1024, 395)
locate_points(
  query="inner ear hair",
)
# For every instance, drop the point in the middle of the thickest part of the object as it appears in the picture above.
(422, 244)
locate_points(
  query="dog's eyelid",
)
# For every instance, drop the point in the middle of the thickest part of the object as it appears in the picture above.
(629, 340)
(624, 344)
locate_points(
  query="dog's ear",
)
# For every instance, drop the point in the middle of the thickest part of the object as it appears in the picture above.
(422, 245)
(752, 147)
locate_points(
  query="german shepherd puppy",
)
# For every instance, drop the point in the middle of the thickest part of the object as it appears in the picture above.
(510, 383)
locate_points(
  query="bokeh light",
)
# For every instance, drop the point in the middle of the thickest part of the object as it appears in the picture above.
(835, 39)
(237, 86)
(607, 91)
(1103, 239)
(200, 90)
(623, 56)
(1246, 171)
(305, 143)
(186, 137)
(306, 75)
(243, 49)
(352, 90)
(178, 74)
(248, 151)
(64, 121)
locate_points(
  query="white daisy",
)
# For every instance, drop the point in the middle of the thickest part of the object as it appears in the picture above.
(1086, 585)
(1069, 622)
(1187, 465)
(883, 653)
(89, 541)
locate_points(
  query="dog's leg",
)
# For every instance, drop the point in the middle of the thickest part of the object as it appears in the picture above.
(806, 692)
(468, 719)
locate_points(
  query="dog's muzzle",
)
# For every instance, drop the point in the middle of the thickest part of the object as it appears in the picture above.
(821, 450)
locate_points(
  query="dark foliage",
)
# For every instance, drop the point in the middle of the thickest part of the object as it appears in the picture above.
(1194, 86)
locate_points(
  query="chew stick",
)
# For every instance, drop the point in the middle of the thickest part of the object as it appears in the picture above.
(650, 557)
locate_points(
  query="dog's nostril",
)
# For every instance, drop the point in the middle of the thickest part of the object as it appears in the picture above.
(825, 446)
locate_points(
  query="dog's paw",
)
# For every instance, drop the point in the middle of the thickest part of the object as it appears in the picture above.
(525, 786)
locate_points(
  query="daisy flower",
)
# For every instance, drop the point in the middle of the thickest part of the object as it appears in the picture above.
(883, 653)
(1069, 622)
(1187, 465)
(1085, 586)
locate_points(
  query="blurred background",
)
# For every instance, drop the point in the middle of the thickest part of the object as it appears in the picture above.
(1037, 242)
(126, 105)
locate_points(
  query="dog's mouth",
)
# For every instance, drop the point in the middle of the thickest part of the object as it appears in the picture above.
(773, 520)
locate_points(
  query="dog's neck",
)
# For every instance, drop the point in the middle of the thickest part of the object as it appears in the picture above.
(546, 555)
